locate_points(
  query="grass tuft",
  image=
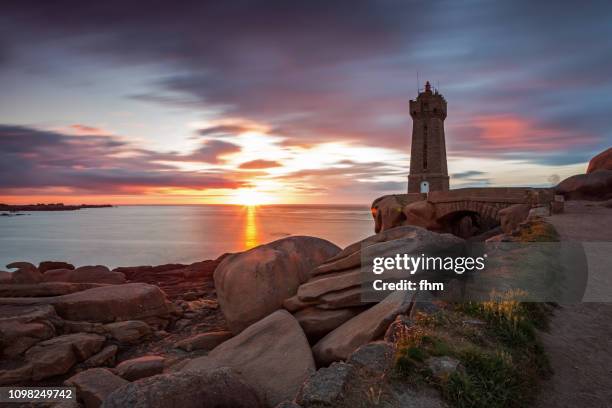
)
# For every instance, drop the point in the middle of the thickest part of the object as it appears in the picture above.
(487, 381)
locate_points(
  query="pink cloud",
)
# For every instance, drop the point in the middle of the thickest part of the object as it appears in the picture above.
(498, 133)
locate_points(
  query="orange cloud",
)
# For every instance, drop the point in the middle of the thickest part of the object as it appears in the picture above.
(259, 164)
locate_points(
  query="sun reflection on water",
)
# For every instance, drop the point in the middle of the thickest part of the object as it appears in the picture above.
(251, 238)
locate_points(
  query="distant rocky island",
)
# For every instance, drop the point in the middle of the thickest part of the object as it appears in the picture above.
(49, 207)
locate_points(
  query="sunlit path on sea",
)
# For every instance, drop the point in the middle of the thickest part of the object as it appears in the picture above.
(153, 235)
(251, 238)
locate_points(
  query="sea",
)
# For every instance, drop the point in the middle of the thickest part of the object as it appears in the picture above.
(155, 235)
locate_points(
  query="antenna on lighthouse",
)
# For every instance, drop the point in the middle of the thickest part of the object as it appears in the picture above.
(418, 83)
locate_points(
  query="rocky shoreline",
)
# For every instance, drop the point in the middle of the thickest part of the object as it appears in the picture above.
(273, 315)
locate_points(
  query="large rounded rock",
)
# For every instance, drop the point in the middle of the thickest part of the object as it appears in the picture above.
(252, 284)
(132, 301)
(221, 387)
(603, 161)
(593, 186)
(272, 355)
(85, 274)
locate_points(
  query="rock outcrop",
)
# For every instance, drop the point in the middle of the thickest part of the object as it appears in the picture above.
(132, 301)
(176, 280)
(272, 355)
(25, 273)
(603, 161)
(252, 284)
(85, 274)
(220, 387)
(338, 284)
(23, 326)
(106, 304)
(592, 186)
(50, 329)
(364, 328)
(59, 354)
(49, 265)
(43, 289)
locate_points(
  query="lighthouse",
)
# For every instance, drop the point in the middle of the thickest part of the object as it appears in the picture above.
(428, 169)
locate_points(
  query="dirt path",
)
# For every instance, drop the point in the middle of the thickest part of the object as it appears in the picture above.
(580, 340)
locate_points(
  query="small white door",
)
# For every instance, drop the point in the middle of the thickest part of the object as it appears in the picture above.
(424, 186)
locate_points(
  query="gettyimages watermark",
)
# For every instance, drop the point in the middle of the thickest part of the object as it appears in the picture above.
(562, 272)
(413, 264)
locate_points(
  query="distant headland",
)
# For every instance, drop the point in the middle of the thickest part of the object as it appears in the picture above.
(49, 207)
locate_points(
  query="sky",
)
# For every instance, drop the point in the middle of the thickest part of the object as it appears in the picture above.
(159, 102)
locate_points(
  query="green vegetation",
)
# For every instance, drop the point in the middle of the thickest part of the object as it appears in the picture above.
(488, 381)
(501, 359)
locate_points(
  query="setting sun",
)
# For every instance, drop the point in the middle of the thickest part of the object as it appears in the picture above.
(249, 196)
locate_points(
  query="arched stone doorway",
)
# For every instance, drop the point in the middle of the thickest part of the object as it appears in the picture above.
(466, 223)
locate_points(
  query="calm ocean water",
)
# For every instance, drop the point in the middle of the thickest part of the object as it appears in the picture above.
(152, 235)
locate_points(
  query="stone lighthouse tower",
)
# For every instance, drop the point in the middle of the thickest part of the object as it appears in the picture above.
(428, 170)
